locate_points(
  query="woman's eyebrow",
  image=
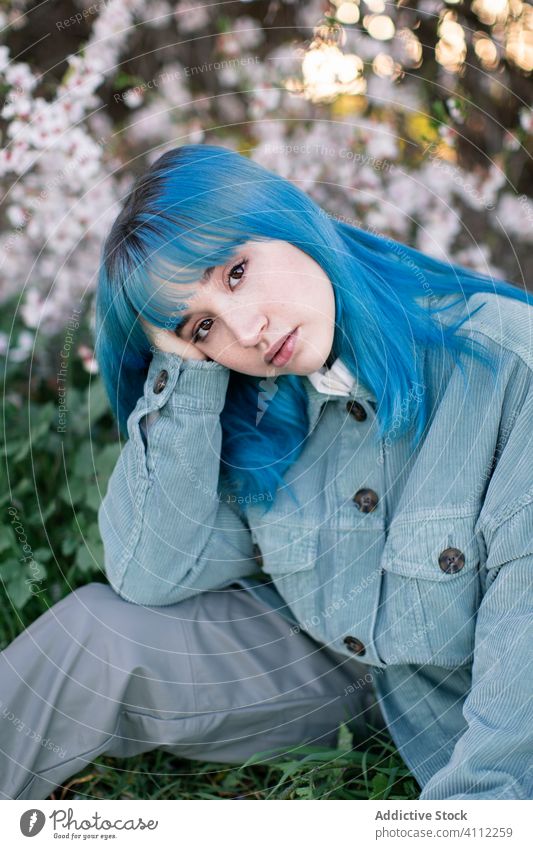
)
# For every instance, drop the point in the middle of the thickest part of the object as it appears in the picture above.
(206, 276)
(186, 316)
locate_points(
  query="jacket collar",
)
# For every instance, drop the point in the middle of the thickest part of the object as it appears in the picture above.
(358, 391)
(340, 392)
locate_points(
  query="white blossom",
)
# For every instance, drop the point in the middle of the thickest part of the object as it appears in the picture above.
(133, 98)
(4, 57)
(526, 119)
(515, 215)
(156, 14)
(19, 76)
(191, 16)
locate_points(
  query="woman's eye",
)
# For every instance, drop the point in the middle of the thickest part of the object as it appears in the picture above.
(237, 272)
(197, 337)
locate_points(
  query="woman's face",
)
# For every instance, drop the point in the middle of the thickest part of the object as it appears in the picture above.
(267, 290)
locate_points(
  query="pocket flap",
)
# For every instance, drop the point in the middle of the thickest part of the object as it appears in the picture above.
(287, 549)
(442, 549)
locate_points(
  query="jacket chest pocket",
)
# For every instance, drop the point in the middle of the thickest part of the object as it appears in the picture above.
(289, 549)
(430, 592)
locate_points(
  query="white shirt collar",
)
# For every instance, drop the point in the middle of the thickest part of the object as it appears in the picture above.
(336, 380)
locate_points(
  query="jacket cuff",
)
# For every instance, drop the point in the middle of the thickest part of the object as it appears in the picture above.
(186, 384)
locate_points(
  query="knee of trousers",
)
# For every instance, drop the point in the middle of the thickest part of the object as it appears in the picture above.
(96, 614)
(70, 620)
(103, 653)
(130, 637)
(90, 621)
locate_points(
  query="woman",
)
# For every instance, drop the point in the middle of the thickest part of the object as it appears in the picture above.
(324, 509)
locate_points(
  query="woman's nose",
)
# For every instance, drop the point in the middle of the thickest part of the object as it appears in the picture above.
(247, 325)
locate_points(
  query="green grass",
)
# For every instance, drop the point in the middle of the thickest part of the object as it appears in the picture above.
(376, 772)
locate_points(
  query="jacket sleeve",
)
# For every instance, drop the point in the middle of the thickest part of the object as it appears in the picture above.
(493, 758)
(168, 532)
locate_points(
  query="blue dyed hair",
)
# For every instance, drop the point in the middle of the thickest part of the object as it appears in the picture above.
(194, 207)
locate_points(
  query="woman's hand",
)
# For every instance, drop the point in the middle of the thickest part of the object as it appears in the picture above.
(166, 340)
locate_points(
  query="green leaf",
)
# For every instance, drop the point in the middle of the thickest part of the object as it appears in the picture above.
(106, 462)
(19, 592)
(84, 560)
(7, 539)
(89, 557)
(13, 446)
(98, 402)
(23, 487)
(48, 510)
(74, 491)
(224, 23)
(125, 80)
(93, 497)
(10, 569)
(345, 743)
(304, 792)
(437, 107)
(84, 461)
(17, 589)
(380, 784)
(69, 544)
(40, 423)
(35, 571)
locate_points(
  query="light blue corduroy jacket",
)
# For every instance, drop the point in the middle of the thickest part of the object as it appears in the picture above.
(432, 587)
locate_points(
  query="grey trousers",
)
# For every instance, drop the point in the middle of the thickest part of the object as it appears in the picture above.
(219, 677)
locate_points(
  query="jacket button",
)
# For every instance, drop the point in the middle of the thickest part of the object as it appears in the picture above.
(160, 382)
(356, 410)
(354, 645)
(258, 557)
(451, 560)
(366, 500)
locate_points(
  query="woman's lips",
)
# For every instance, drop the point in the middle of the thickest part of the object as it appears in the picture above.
(286, 351)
